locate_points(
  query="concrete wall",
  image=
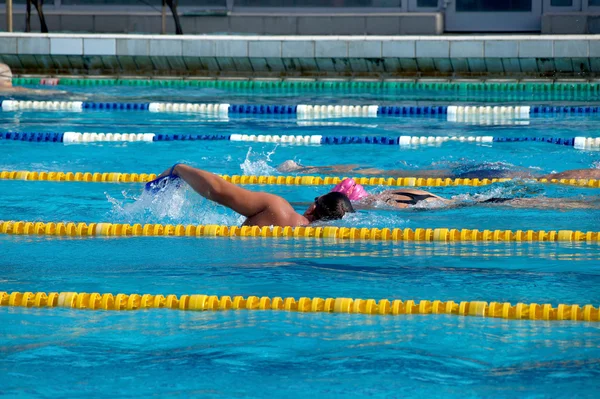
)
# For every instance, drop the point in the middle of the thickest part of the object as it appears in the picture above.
(390, 23)
(571, 23)
(277, 56)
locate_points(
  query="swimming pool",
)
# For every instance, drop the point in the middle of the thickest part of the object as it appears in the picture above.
(64, 352)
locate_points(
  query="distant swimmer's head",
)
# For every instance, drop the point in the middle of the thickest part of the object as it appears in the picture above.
(331, 206)
(5, 76)
(289, 166)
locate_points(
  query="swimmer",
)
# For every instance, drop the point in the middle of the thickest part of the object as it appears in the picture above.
(259, 208)
(407, 198)
(6, 85)
(483, 171)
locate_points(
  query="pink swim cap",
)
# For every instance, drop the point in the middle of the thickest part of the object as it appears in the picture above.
(353, 190)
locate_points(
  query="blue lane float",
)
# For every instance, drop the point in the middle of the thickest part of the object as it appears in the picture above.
(403, 141)
(299, 110)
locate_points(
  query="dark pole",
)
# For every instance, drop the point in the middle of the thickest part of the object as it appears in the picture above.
(173, 6)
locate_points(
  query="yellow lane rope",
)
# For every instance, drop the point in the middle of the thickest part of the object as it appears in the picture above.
(96, 301)
(114, 177)
(73, 229)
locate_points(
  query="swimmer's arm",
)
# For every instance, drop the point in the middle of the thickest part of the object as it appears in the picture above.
(290, 166)
(553, 203)
(574, 174)
(212, 187)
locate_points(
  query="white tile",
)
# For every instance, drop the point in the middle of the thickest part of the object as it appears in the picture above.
(466, 49)
(231, 48)
(399, 49)
(536, 49)
(8, 45)
(433, 49)
(99, 46)
(364, 49)
(298, 49)
(331, 49)
(501, 48)
(34, 45)
(166, 48)
(135, 47)
(571, 48)
(199, 48)
(264, 49)
(594, 48)
(66, 46)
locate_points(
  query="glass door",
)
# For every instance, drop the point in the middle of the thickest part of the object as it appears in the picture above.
(493, 15)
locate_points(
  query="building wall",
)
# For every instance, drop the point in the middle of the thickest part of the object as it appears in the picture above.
(274, 24)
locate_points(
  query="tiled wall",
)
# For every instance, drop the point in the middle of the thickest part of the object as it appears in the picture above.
(302, 55)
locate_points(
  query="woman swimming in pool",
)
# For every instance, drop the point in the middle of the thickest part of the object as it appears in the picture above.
(408, 197)
(480, 171)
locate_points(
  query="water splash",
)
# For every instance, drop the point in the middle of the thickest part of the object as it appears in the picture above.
(170, 205)
(512, 189)
(258, 163)
(469, 169)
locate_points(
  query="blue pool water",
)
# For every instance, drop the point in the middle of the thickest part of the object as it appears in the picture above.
(65, 353)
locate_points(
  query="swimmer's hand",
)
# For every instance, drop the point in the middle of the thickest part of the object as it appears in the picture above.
(172, 171)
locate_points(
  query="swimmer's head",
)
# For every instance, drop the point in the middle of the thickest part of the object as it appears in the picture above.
(289, 166)
(5, 76)
(331, 206)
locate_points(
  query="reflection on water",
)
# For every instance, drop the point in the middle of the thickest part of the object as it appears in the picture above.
(207, 352)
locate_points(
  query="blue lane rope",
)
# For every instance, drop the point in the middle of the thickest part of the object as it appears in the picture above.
(304, 110)
(76, 137)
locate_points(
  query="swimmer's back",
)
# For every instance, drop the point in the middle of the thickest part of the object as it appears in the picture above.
(278, 212)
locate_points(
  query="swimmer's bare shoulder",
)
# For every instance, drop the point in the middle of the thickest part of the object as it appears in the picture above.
(278, 212)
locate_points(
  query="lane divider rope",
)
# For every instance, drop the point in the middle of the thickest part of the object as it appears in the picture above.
(74, 229)
(115, 177)
(508, 88)
(403, 141)
(301, 111)
(198, 302)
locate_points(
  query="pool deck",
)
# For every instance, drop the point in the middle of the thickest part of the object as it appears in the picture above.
(468, 56)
